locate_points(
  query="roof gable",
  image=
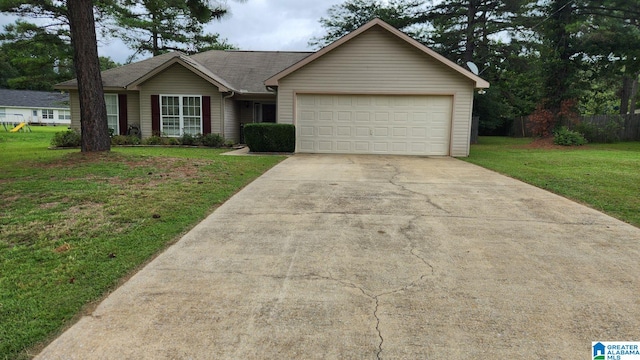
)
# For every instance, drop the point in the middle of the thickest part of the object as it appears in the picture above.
(479, 82)
(189, 64)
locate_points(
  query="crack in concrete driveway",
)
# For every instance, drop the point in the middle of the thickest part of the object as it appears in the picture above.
(377, 257)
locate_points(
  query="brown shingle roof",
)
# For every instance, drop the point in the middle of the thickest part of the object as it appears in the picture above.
(242, 70)
(247, 70)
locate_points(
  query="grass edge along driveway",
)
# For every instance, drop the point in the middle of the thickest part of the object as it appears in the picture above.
(73, 225)
(605, 177)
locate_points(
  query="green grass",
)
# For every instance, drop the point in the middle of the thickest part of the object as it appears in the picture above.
(605, 177)
(73, 225)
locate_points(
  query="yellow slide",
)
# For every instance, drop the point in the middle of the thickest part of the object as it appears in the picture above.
(17, 128)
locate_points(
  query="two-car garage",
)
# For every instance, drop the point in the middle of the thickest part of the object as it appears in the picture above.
(377, 91)
(373, 124)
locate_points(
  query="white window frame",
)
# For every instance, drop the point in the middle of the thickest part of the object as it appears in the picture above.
(47, 114)
(64, 114)
(181, 116)
(116, 128)
(3, 113)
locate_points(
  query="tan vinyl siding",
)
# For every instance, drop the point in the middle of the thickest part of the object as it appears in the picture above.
(377, 62)
(133, 107)
(177, 80)
(74, 103)
(231, 120)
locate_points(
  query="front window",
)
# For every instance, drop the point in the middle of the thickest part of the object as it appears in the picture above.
(64, 115)
(111, 100)
(180, 114)
(47, 114)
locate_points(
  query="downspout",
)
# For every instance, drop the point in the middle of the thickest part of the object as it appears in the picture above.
(222, 108)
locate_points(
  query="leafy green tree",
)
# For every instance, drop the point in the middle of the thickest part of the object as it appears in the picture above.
(585, 37)
(39, 58)
(158, 26)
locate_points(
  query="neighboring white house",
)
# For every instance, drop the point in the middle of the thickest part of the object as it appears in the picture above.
(34, 107)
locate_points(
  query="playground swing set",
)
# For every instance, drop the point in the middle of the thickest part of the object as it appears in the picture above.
(16, 124)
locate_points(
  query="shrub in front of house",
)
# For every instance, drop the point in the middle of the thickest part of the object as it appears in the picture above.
(211, 140)
(125, 140)
(69, 138)
(267, 137)
(566, 137)
(159, 140)
(188, 140)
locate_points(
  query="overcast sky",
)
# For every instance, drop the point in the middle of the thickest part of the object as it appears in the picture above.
(251, 25)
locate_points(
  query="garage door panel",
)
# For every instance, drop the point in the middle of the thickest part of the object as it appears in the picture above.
(344, 131)
(362, 116)
(381, 116)
(381, 147)
(361, 146)
(345, 116)
(363, 131)
(381, 132)
(374, 124)
(343, 146)
(306, 130)
(399, 132)
(307, 116)
(325, 131)
(399, 147)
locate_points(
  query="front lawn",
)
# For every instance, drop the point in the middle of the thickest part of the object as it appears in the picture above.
(605, 177)
(73, 225)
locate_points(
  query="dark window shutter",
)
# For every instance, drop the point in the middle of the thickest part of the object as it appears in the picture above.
(155, 115)
(122, 114)
(206, 114)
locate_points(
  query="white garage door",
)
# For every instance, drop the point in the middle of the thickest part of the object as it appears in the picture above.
(373, 124)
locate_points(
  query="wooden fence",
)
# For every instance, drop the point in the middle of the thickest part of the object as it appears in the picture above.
(601, 128)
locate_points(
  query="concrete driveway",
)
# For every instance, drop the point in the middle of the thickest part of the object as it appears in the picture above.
(374, 257)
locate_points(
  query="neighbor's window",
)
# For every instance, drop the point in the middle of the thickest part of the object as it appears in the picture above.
(47, 114)
(3, 113)
(180, 114)
(111, 100)
(64, 115)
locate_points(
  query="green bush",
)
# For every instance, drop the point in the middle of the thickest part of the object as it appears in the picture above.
(69, 138)
(125, 140)
(266, 137)
(152, 140)
(188, 140)
(211, 140)
(566, 137)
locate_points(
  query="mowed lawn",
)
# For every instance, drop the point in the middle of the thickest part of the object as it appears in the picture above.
(605, 177)
(72, 226)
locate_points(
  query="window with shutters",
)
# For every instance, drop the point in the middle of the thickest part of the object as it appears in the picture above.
(111, 100)
(180, 114)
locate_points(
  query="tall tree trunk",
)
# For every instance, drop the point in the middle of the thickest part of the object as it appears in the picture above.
(625, 94)
(558, 65)
(93, 112)
(470, 41)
